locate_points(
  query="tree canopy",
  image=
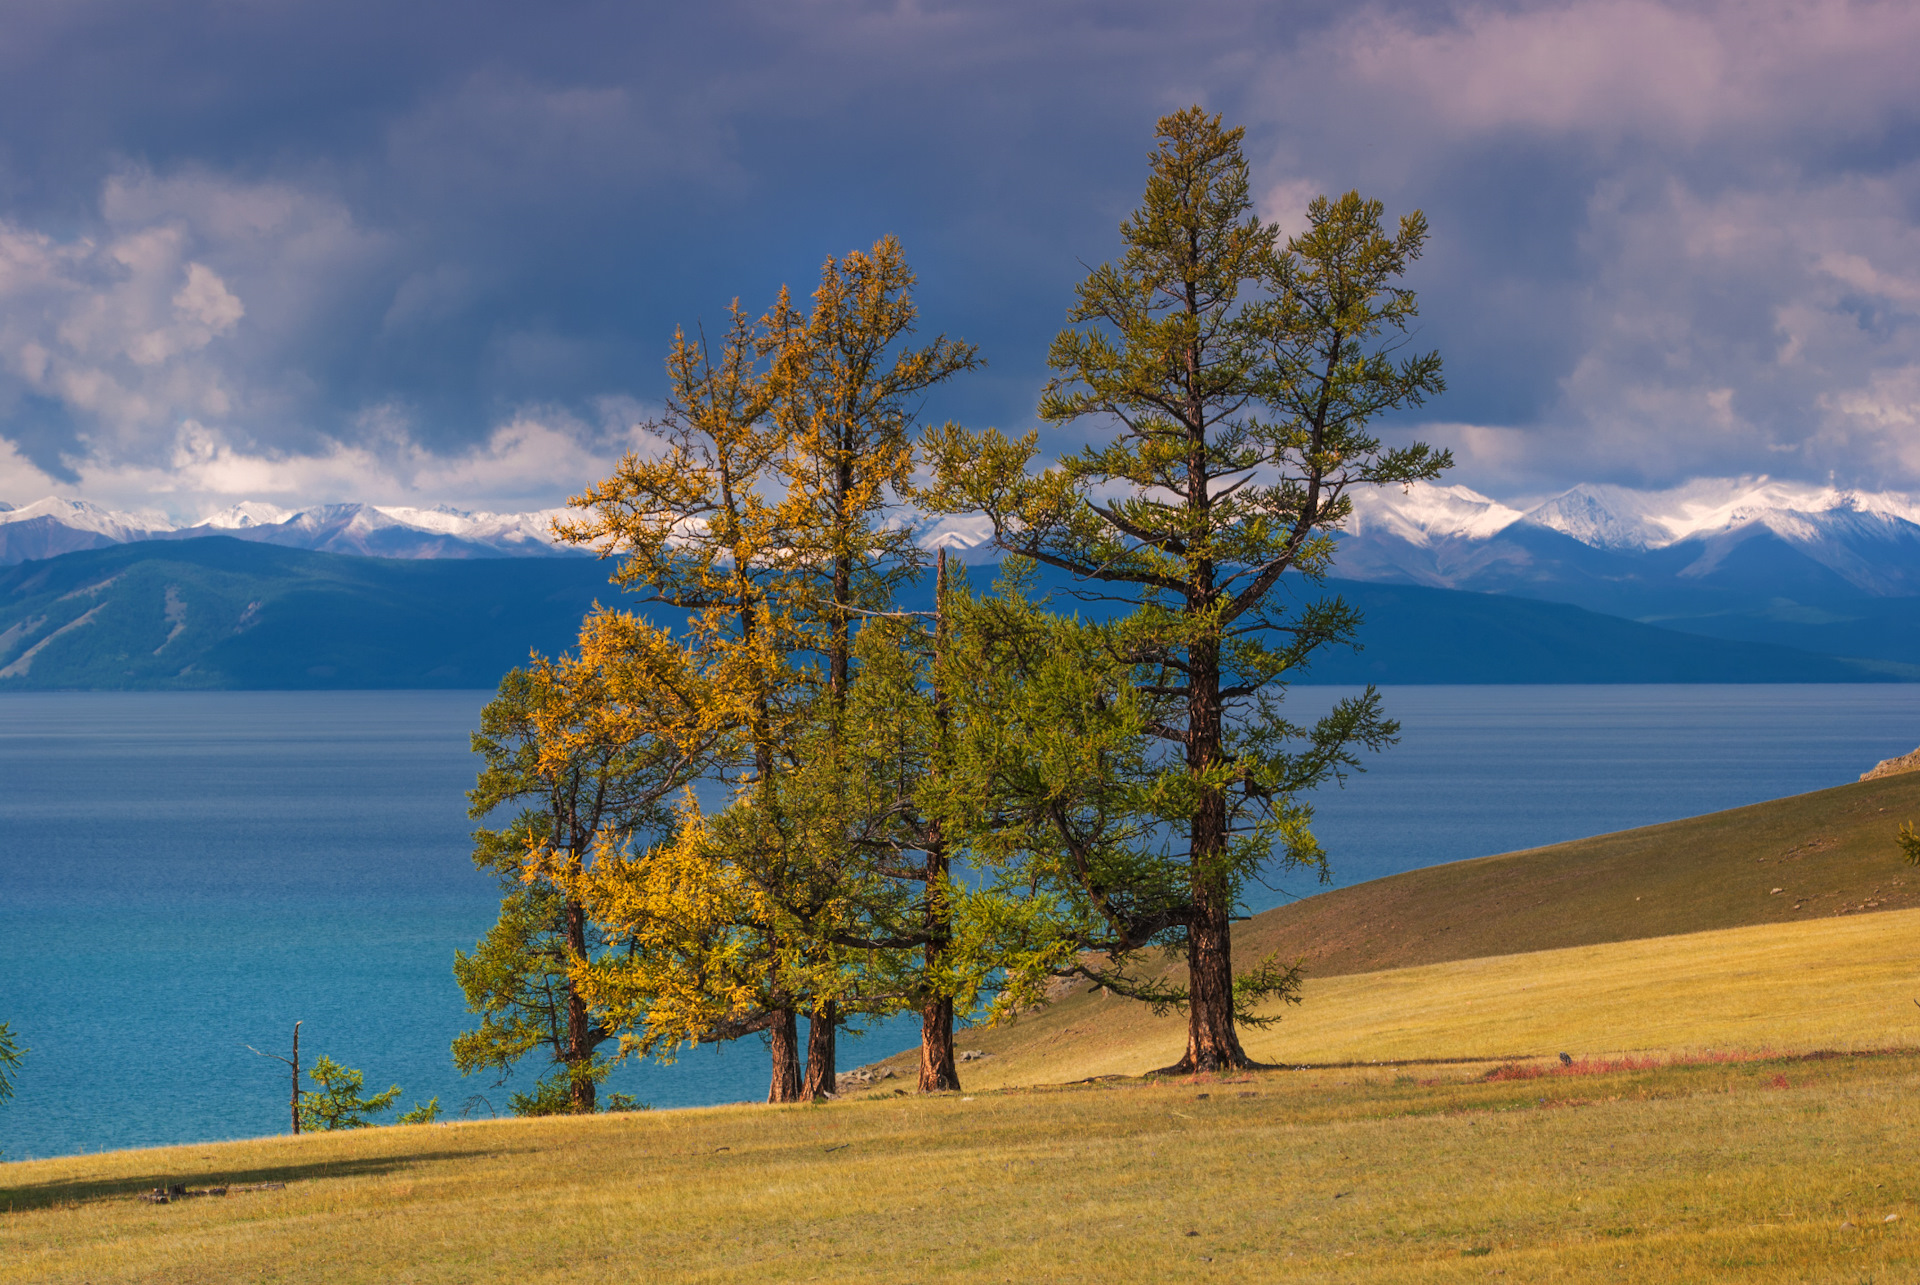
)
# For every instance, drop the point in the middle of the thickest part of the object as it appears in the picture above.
(1230, 381)
(904, 808)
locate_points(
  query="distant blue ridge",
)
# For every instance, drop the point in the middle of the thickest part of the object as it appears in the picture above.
(222, 614)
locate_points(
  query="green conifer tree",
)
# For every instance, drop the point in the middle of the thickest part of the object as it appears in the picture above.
(335, 1101)
(1230, 382)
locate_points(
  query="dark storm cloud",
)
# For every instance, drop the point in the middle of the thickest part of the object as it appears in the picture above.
(437, 250)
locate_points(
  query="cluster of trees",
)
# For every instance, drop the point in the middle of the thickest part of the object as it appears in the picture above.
(816, 793)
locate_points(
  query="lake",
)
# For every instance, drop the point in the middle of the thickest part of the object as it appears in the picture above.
(186, 874)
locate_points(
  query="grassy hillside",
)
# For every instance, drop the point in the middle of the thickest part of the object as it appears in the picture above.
(1845, 983)
(1831, 853)
(1774, 1168)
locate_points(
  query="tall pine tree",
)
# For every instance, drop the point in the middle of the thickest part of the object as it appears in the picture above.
(1230, 382)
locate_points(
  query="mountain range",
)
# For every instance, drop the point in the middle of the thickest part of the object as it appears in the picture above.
(1709, 536)
(1819, 571)
(227, 613)
(53, 526)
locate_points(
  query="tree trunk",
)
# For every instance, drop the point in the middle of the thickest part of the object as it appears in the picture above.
(938, 1073)
(296, 1078)
(581, 1088)
(822, 1078)
(783, 1037)
(579, 1049)
(1212, 1042)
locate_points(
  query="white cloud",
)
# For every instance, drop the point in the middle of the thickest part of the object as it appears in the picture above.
(535, 459)
(1285, 203)
(1681, 73)
(193, 300)
(115, 331)
(1684, 232)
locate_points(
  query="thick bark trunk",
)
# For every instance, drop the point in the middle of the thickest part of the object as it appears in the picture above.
(822, 1027)
(783, 1037)
(579, 1050)
(938, 1074)
(1213, 1043)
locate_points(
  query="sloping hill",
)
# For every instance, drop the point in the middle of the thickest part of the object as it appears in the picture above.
(1830, 853)
(1829, 984)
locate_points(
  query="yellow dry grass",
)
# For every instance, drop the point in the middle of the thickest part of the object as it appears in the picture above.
(1844, 983)
(1771, 1170)
(1727, 1172)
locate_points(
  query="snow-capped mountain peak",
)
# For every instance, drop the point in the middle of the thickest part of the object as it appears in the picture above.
(81, 515)
(1604, 517)
(1423, 512)
(248, 513)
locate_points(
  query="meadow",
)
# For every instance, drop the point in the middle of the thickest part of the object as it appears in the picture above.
(1718, 1158)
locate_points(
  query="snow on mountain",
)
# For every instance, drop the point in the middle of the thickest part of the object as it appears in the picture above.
(1620, 518)
(1603, 517)
(54, 526)
(968, 537)
(531, 532)
(1615, 517)
(248, 513)
(397, 532)
(1428, 534)
(1758, 531)
(50, 527)
(1423, 513)
(79, 515)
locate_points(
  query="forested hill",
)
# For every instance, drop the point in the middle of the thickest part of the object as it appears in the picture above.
(221, 613)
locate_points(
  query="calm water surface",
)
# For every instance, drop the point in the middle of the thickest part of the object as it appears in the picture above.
(185, 874)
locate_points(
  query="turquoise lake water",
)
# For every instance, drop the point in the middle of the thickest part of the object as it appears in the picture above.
(185, 874)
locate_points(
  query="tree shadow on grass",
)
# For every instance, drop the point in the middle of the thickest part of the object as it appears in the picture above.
(66, 1191)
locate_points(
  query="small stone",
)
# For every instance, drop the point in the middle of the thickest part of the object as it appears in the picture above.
(1847, 1227)
(1891, 1218)
(1193, 1233)
(1776, 892)
(1201, 1097)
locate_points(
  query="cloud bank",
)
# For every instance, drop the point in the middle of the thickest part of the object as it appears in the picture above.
(303, 253)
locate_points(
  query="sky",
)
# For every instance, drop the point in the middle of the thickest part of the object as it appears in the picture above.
(304, 252)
